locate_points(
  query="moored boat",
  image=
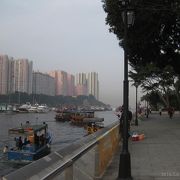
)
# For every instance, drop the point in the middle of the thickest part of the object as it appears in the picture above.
(93, 124)
(42, 108)
(28, 142)
(24, 108)
(63, 115)
(77, 117)
(33, 108)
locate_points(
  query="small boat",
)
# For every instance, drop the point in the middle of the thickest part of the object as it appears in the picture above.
(93, 124)
(33, 108)
(77, 117)
(63, 116)
(29, 142)
(42, 108)
(24, 108)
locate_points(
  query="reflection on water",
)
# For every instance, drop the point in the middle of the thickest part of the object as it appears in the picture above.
(63, 132)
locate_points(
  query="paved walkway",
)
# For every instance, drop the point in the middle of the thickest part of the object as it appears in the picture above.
(157, 157)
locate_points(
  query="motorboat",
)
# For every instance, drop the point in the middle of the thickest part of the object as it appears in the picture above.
(64, 115)
(28, 142)
(77, 117)
(33, 108)
(24, 107)
(93, 124)
(42, 108)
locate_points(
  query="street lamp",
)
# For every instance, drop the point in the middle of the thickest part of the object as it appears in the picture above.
(136, 119)
(125, 161)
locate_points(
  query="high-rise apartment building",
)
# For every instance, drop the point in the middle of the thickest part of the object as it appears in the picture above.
(17, 76)
(81, 84)
(61, 87)
(71, 85)
(43, 84)
(11, 76)
(81, 79)
(93, 84)
(4, 74)
(23, 75)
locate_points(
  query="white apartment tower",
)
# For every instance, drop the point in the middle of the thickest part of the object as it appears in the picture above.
(81, 84)
(93, 84)
(23, 76)
(4, 74)
(81, 79)
(61, 85)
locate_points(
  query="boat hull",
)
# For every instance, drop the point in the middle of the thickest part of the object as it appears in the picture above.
(28, 156)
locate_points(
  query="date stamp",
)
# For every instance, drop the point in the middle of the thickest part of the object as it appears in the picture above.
(170, 174)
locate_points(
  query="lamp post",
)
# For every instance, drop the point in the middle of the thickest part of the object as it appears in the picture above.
(125, 161)
(136, 119)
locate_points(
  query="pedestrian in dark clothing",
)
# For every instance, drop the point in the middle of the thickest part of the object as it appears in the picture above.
(121, 120)
(160, 112)
(170, 112)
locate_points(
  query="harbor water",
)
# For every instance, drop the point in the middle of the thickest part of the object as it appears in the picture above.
(63, 132)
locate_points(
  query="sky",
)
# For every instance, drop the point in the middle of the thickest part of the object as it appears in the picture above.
(68, 35)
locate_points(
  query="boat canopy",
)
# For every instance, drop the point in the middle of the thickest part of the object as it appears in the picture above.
(93, 120)
(27, 129)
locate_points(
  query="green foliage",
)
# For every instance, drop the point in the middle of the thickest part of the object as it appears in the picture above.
(53, 101)
(155, 102)
(154, 37)
(153, 78)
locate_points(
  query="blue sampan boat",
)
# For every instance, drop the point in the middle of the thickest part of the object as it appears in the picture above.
(31, 142)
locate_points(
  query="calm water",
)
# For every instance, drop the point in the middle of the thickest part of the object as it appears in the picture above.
(63, 132)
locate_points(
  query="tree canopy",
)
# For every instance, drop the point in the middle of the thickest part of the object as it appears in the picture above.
(155, 35)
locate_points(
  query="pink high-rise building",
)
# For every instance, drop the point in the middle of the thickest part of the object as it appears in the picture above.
(81, 90)
(81, 84)
(87, 84)
(61, 87)
(71, 85)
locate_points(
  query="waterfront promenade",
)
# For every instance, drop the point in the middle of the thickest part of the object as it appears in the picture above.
(157, 157)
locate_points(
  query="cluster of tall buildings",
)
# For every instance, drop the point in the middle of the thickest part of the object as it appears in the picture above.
(17, 75)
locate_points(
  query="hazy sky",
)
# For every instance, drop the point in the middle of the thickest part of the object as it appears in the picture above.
(68, 35)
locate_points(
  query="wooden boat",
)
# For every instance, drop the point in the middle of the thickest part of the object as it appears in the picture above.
(93, 124)
(63, 116)
(77, 117)
(36, 143)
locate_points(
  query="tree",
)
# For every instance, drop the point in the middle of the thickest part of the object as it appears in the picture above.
(154, 37)
(154, 79)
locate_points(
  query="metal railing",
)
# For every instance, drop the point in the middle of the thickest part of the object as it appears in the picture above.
(86, 159)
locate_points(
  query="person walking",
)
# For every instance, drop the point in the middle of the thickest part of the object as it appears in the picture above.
(170, 112)
(160, 111)
(121, 120)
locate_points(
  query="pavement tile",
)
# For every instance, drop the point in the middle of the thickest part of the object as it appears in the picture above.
(157, 157)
